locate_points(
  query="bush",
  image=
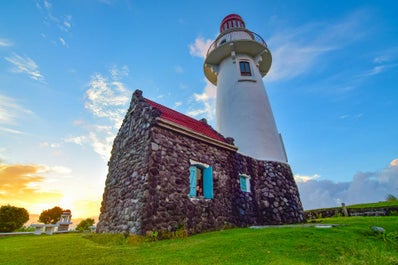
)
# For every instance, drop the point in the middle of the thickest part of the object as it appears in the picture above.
(12, 218)
(85, 224)
(393, 213)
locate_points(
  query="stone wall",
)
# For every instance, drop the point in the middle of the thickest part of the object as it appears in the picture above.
(147, 185)
(169, 204)
(274, 198)
(126, 186)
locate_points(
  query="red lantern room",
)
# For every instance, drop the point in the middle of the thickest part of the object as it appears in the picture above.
(232, 21)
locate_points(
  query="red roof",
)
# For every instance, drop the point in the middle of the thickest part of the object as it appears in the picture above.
(186, 121)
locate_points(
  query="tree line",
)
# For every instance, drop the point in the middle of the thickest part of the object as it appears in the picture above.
(13, 218)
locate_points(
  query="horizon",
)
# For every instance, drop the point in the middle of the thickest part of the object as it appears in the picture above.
(69, 69)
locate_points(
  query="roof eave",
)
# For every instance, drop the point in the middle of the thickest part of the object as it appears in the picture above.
(183, 130)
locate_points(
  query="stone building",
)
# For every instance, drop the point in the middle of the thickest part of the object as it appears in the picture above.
(168, 171)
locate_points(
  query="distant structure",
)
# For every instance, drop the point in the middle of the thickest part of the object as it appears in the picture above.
(65, 221)
(61, 226)
(168, 171)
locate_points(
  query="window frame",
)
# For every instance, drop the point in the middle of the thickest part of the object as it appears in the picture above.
(207, 181)
(246, 70)
(244, 183)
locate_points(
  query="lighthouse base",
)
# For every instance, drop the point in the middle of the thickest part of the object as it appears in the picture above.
(274, 198)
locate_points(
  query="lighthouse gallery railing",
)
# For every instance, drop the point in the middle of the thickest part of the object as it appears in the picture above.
(235, 34)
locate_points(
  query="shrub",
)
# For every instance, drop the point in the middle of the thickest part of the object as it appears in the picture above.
(12, 218)
(85, 224)
(393, 213)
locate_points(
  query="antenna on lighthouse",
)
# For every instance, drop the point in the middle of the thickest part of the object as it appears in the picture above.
(236, 62)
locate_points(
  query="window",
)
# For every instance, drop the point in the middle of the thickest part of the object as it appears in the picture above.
(201, 181)
(244, 183)
(245, 68)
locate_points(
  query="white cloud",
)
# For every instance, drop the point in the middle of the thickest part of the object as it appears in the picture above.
(11, 111)
(101, 140)
(382, 59)
(63, 42)
(62, 22)
(118, 73)
(394, 163)
(199, 47)
(378, 69)
(364, 187)
(107, 100)
(79, 140)
(300, 178)
(5, 43)
(383, 62)
(8, 130)
(54, 169)
(351, 116)
(208, 101)
(25, 65)
(177, 104)
(51, 145)
(297, 51)
(208, 97)
(67, 23)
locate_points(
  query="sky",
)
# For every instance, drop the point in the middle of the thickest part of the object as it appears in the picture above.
(68, 69)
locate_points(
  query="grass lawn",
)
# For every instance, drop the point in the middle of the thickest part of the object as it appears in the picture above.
(352, 242)
(374, 205)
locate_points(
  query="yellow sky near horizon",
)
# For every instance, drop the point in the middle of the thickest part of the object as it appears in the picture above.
(29, 187)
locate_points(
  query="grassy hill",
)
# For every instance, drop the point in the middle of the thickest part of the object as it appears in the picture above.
(350, 241)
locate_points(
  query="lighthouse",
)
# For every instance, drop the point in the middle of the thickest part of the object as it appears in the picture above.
(236, 62)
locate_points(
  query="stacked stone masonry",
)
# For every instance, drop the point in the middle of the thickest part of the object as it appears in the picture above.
(147, 187)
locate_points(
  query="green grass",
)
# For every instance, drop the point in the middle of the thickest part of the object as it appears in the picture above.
(374, 205)
(352, 242)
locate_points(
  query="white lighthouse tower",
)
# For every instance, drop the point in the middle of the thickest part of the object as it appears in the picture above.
(236, 62)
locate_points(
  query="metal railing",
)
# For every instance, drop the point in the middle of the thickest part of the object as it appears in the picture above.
(235, 34)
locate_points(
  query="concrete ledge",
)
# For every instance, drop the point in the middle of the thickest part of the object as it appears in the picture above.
(16, 233)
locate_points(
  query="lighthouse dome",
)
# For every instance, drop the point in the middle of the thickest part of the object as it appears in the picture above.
(232, 21)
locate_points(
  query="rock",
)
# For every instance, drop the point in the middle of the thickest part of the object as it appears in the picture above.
(378, 230)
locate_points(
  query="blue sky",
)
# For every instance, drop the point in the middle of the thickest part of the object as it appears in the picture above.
(68, 68)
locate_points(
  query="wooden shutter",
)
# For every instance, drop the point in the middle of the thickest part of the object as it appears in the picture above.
(243, 184)
(208, 183)
(192, 181)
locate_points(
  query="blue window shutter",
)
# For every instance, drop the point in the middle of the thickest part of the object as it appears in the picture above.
(208, 183)
(192, 181)
(243, 184)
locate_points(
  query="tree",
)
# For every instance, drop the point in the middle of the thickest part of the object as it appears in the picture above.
(85, 224)
(12, 218)
(51, 216)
